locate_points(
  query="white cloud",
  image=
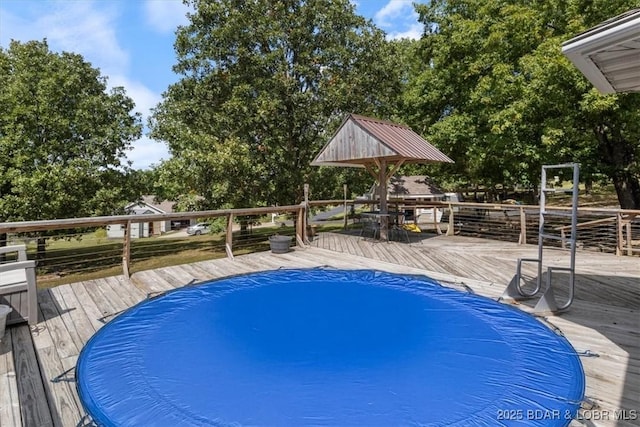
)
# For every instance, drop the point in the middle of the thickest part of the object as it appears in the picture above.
(89, 29)
(13, 27)
(79, 27)
(144, 97)
(413, 32)
(164, 16)
(399, 19)
(147, 152)
(76, 27)
(393, 10)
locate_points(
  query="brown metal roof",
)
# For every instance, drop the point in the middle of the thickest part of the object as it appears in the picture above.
(360, 140)
(401, 139)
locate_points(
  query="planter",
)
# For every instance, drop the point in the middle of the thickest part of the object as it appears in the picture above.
(4, 312)
(312, 230)
(280, 244)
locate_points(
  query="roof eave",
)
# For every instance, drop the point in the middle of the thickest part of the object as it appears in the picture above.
(374, 160)
(338, 164)
(581, 48)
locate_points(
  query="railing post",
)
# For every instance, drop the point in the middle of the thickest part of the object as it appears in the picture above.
(523, 227)
(436, 224)
(229, 239)
(629, 241)
(301, 226)
(126, 250)
(624, 235)
(619, 238)
(346, 215)
(305, 225)
(450, 229)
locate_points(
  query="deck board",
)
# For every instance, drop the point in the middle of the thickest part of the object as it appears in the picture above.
(87, 305)
(34, 408)
(61, 338)
(9, 399)
(604, 319)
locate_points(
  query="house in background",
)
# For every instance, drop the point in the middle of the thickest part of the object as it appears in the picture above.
(419, 188)
(414, 187)
(147, 205)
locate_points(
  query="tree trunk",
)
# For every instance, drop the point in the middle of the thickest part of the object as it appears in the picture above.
(618, 154)
(628, 189)
(588, 185)
(244, 229)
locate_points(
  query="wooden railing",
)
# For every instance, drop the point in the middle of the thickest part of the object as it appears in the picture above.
(596, 226)
(31, 228)
(611, 230)
(624, 236)
(603, 229)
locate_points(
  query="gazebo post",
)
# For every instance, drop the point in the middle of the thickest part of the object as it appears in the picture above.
(382, 188)
(382, 194)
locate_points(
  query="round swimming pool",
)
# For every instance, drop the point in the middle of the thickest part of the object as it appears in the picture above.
(327, 347)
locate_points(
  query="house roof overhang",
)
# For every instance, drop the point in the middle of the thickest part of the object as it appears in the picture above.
(609, 54)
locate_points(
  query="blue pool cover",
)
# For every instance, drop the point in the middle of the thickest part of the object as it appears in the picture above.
(327, 347)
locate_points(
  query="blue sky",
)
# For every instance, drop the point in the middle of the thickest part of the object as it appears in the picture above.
(131, 42)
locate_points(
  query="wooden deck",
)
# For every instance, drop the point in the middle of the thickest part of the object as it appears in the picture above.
(37, 385)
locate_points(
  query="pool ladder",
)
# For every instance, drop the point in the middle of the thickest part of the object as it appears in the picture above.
(547, 302)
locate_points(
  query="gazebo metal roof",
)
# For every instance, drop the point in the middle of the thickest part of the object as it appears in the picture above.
(362, 141)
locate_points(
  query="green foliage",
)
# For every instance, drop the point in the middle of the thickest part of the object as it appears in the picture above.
(100, 234)
(218, 225)
(265, 83)
(63, 137)
(145, 180)
(499, 98)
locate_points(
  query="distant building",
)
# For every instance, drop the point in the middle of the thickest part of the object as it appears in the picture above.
(414, 187)
(417, 188)
(147, 205)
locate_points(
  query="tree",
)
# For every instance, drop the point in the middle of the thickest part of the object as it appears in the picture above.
(264, 84)
(501, 99)
(63, 137)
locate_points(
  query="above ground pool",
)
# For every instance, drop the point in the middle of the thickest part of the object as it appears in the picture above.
(323, 347)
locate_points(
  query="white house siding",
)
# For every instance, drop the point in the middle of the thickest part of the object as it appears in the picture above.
(115, 231)
(143, 229)
(138, 229)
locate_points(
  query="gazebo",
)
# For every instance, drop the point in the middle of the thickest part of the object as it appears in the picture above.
(380, 147)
